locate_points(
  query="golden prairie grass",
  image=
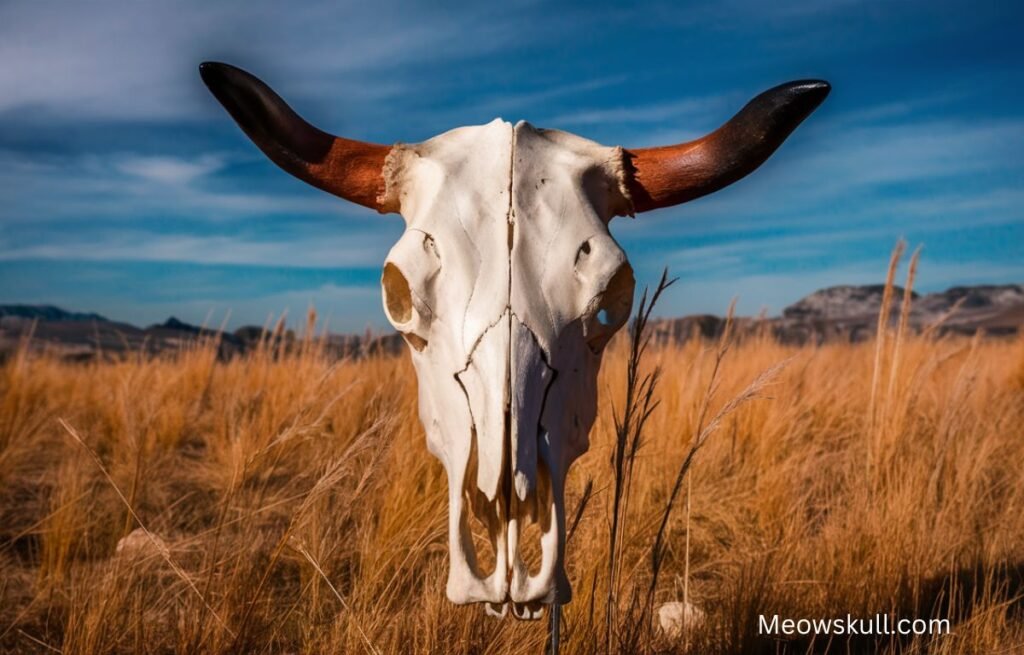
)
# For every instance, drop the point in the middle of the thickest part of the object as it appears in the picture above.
(290, 504)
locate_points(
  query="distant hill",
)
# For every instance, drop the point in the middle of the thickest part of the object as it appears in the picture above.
(77, 335)
(850, 313)
(840, 313)
(847, 302)
(46, 313)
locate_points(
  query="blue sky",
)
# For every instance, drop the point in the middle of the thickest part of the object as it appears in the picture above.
(126, 189)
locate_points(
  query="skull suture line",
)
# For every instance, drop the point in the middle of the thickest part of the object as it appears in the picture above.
(507, 285)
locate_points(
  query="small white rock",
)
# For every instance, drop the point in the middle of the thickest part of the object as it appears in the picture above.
(137, 542)
(677, 617)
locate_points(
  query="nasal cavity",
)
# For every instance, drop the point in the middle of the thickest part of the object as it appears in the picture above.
(617, 299)
(583, 251)
(610, 309)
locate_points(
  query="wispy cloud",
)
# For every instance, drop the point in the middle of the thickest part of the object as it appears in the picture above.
(124, 59)
(170, 170)
(342, 248)
(529, 99)
(131, 186)
(693, 110)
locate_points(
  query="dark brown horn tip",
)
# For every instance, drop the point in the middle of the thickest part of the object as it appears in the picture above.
(787, 105)
(238, 91)
(209, 68)
(773, 115)
(220, 78)
(264, 116)
(216, 74)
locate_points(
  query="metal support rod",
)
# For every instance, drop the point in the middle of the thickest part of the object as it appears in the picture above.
(554, 627)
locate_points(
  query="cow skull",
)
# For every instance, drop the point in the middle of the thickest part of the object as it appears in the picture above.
(507, 285)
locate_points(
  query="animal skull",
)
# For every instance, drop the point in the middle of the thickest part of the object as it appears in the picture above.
(507, 285)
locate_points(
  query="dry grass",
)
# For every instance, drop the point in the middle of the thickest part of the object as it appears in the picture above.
(301, 511)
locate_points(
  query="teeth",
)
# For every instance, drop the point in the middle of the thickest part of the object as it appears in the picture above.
(527, 611)
(522, 485)
(510, 583)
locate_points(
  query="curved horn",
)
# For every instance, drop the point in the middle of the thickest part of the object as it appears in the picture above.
(346, 168)
(669, 175)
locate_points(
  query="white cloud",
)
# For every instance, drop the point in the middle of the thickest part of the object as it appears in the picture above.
(170, 170)
(536, 98)
(126, 186)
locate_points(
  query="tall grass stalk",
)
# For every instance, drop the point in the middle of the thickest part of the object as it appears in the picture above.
(881, 346)
(639, 404)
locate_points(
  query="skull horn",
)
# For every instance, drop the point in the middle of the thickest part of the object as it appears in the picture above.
(347, 168)
(670, 175)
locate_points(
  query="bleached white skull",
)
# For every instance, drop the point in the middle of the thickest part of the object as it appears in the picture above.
(507, 285)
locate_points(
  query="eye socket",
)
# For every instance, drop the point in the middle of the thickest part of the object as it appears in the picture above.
(610, 310)
(397, 294)
(400, 308)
